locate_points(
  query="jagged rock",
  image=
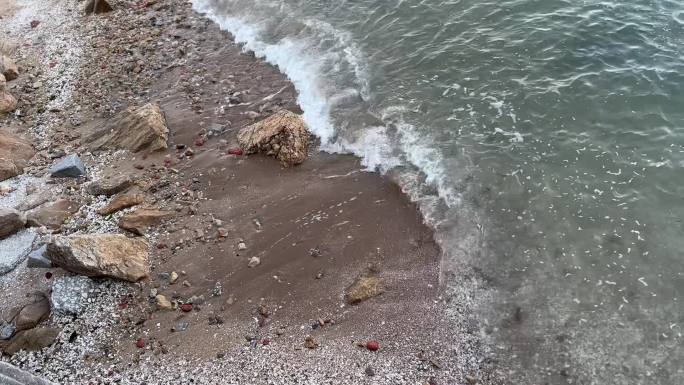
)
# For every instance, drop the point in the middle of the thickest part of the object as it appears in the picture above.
(110, 186)
(96, 7)
(51, 215)
(11, 221)
(70, 295)
(12, 375)
(110, 255)
(15, 153)
(8, 67)
(14, 249)
(32, 340)
(8, 103)
(162, 302)
(38, 259)
(139, 220)
(70, 166)
(121, 202)
(135, 129)
(33, 314)
(283, 135)
(363, 289)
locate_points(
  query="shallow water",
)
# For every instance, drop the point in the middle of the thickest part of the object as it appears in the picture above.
(544, 140)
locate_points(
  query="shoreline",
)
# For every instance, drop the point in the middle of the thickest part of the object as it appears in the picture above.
(354, 218)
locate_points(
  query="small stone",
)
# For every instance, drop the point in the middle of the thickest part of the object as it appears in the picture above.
(235, 151)
(180, 327)
(254, 262)
(70, 166)
(186, 307)
(369, 371)
(140, 343)
(265, 342)
(6, 330)
(472, 380)
(222, 232)
(162, 302)
(110, 186)
(242, 246)
(121, 202)
(372, 345)
(173, 277)
(310, 342)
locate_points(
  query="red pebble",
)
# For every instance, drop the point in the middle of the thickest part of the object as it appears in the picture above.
(48, 275)
(186, 307)
(140, 343)
(199, 142)
(34, 23)
(265, 341)
(372, 345)
(235, 151)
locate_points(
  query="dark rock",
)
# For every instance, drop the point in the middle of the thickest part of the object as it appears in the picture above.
(33, 314)
(97, 7)
(70, 166)
(32, 340)
(51, 215)
(372, 346)
(11, 221)
(38, 259)
(15, 153)
(369, 371)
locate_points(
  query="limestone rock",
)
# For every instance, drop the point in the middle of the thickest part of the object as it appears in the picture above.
(363, 289)
(139, 220)
(8, 103)
(70, 295)
(51, 215)
(70, 166)
(15, 153)
(283, 135)
(32, 340)
(33, 314)
(11, 221)
(110, 255)
(110, 186)
(135, 129)
(97, 6)
(14, 249)
(121, 202)
(8, 67)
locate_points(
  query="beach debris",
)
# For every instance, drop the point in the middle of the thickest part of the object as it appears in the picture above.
(15, 153)
(283, 135)
(32, 340)
(121, 202)
(254, 262)
(11, 221)
(310, 342)
(51, 215)
(110, 255)
(139, 220)
(110, 186)
(97, 7)
(134, 129)
(363, 289)
(70, 166)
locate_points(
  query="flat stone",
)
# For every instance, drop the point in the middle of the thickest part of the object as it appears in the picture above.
(11, 221)
(14, 249)
(70, 166)
(38, 259)
(32, 340)
(110, 186)
(139, 220)
(52, 215)
(121, 202)
(33, 314)
(71, 295)
(12, 375)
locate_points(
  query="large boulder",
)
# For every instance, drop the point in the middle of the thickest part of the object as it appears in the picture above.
(8, 103)
(363, 289)
(11, 221)
(135, 129)
(283, 135)
(139, 220)
(8, 67)
(95, 255)
(15, 153)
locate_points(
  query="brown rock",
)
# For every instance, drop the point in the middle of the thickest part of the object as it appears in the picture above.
(32, 340)
(111, 185)
(363, 289)
(96, 7)
(8, 103)
(11, 221)
(283, 135)
(162, 302)
(111, 255)
(34, 200)
(33, 314)
(51, 215)
(8, 67)
(15, 153)
(139, 220)
(310, 342)
(135, 129)
(121, 202)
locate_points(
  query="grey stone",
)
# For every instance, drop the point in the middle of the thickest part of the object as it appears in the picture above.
(37, 258)
(6, 330)
(71, 295)
(11, 221)
(11, 375)
(69, 166)
(14, 249)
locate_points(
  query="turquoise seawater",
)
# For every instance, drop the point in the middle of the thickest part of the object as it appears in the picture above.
(544, 141)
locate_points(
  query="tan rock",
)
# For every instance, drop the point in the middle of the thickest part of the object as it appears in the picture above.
(15, 153)
(94, 255)
(121, 202)
(110, 185)
(283, 135)
(11, 221)
(52, 215)
(8, 103)
(139, 220)
(135, 129)
(363, 289)
(8, 67)
(162, 302)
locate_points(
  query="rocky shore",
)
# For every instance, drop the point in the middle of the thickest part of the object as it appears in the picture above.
(166, 218)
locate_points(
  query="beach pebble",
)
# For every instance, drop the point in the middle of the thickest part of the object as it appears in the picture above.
(254, 262)
(372, 345)
(186, 307)
(140, 344)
